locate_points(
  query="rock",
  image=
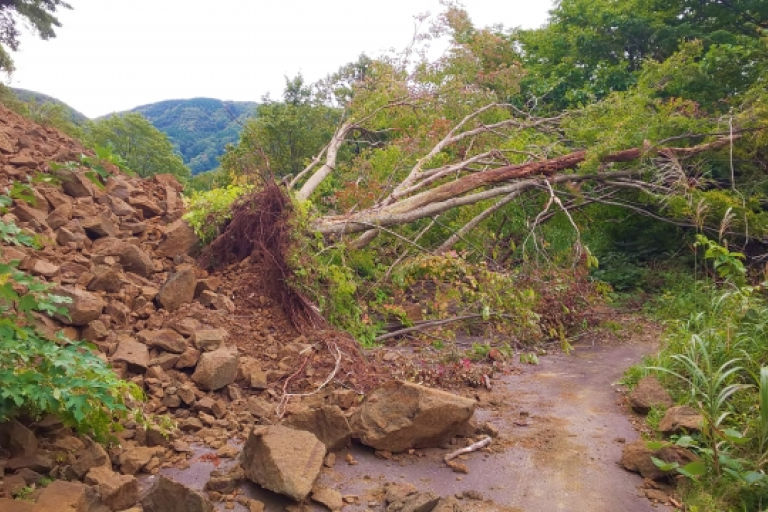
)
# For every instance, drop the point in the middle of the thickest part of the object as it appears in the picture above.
(216, 369)
(178, 289)
(420, 502)
(133, 353)
(61, 496)
(169, 496)
(11, 505)
(132, 461)
(328, 497)
(45, 269)
(228, 452)
(179, 238)
(207, 340)
(189, 358)
(165, 339)
(328, 424)
(26, 213)
(250, 371)
(649, 393)
(13, 485)
(75, 184)
(283, 460)
(37, 462)
(448, 504)
(117, 491)
(17, 439)
(132, 258)
(400, 415)
(90, 457)
(107, 279)
(259, 407)
(681, 419)
(225, 483)
(216, 301)
(636, 457)
(99, 226)
(398, 492)
(85, 306)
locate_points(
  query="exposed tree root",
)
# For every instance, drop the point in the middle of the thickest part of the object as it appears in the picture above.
(260, 228)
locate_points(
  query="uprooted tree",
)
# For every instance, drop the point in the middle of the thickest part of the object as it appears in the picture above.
(418, 138)
(461, 152)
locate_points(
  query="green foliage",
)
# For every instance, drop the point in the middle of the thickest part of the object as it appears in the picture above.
(40, 375)
(143, 148)
(208, 212)
(209, 180)
(200, 128)
(37, 15)
(284, 136)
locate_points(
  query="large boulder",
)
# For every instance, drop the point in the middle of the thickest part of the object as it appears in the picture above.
(399, 415)
(179, 238)
(649, 393)
(169, 496)
(679, 419)
(132, 258)
(61, 496)
(283, 460)
(118, 492)
(216, 369)
(638, 458)
(133, 353)
(85, 306)
(328, 424)
(178, 289)
(165, 339)
(17, 439)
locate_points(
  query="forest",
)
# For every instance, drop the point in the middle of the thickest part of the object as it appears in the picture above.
(615, 157)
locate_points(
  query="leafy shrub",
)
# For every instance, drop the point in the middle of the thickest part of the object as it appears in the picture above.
(39, 375)
(207, 212)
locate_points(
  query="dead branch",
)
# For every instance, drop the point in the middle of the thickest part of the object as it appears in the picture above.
(427, 324)
(469, 449)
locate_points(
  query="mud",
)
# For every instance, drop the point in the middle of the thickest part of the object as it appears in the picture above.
(562, 425)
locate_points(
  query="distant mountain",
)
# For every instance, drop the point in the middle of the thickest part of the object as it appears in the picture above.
(199, 128)
(40, 98)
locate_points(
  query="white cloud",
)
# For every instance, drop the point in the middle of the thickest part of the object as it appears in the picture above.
(113, 55)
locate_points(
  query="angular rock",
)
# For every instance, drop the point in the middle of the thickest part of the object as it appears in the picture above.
(169, 496)
(448, 504)
(207, 340)
(117, 491)
(85, 306)
(90, 457)
(148, 207)
(61, 496)
(679, 419)
(398, 492)
(649, 393)
(106, 279)
(399, 415)
(420, 502)
(17, 439)
(636, 457)
(45, 269)
(99, 226)
(331, 498)
(60, 216)
(189, 358)
(26, 213)
(11, 505)
(178, 289)
(75, 184)
(132, 461)
(165, 339)
(179, 238)
(328, 424)
(216, 369)
(132, 258)
(133, 353)
(37, 462)
(283, 460)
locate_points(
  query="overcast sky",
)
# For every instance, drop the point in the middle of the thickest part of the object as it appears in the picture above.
(113, 55)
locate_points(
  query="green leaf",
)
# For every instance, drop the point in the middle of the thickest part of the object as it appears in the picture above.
(656, 445)
(665, 466)
(695, 468)
(753, 477)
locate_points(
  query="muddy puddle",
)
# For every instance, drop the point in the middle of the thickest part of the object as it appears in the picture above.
(561, 432)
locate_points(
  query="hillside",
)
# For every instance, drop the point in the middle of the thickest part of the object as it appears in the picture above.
(199, 128)
(40, 98)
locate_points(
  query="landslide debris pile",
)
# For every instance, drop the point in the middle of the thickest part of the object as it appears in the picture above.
(212, 351)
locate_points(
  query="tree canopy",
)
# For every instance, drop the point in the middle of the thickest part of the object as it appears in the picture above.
(145, 149)
(39, 16)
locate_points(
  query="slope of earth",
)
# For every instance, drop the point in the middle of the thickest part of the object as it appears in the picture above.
(199, 128)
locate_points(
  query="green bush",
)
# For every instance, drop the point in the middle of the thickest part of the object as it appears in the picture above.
(39, 375)
(207, 212)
